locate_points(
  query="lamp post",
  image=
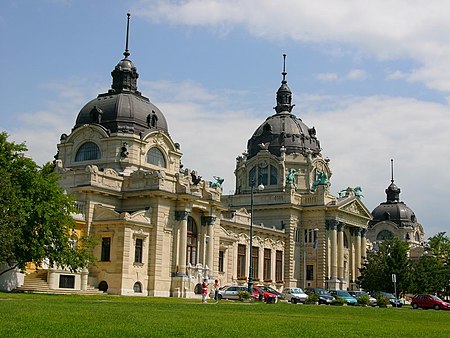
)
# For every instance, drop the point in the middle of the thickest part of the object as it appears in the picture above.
(250, 266)
(316, 243)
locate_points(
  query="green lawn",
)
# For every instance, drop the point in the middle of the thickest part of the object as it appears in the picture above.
(33, 315)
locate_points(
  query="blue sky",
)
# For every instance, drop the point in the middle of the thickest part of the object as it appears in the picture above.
(372, 78)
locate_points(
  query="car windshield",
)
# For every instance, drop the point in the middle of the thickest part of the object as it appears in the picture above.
(436, 298)
(296, 290)
(343, 293)
(322, 292)
(389, 295)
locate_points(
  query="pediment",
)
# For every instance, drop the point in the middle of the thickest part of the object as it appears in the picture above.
(356, 207)
(102, 213)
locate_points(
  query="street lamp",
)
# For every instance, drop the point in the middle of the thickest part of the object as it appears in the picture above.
(250, 266)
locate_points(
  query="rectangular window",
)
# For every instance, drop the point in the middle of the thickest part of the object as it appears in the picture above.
(255, 261)
(273, 175)
(67, 281)
(267, 274)
(221, 259)
(241, 261)
(279, 265)
(309, 272)
(106, 249)
(138, 250)
(263, 176)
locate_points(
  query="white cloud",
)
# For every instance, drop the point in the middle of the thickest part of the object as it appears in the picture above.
(357, 74)
(386, 29)
(327, 77)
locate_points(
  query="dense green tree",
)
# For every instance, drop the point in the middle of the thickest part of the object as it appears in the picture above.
(391, 258)
(429, 275)
(35, 221)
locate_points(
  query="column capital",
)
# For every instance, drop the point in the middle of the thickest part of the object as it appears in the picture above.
(355, 231)
(340, 226)
(181, 215)
(331, 224)
(363, 232)
(208, 220)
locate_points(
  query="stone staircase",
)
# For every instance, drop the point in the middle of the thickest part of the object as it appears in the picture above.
(36, 282)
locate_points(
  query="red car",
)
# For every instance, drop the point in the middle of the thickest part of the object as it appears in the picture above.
(429, 302)
(266, 296)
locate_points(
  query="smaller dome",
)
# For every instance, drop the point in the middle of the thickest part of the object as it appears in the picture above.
(393, 209)
(125, 64)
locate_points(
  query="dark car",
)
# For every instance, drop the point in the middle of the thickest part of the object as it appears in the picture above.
(392, 299)
(429, 302)
(324, 295)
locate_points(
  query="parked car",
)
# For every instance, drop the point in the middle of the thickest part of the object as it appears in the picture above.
(344, 295)
(395, 302)
(269, 289)
(324, 296)
(266, 296)
(231, 292)
(357, 294)
(294, 295)
(429, 302)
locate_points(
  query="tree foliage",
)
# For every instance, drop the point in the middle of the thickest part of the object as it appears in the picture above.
(431, 274)
(391, 258)
(35, 220)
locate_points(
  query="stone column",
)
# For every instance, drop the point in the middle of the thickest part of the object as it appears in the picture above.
(357, 232)
(84, 279)
(273, 255)
(340, 234)
(182, 217)
(208, 221)
(261, 264)
(363, 243)
(332, 226)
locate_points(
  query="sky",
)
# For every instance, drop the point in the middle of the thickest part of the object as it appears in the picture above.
(372, 77)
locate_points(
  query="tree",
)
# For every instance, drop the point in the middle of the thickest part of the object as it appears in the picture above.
(430, 275)
(391, 258)
(35, 220)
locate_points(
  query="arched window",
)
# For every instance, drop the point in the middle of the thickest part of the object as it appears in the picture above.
(156, 157)
(103, 286)
(87, 152)
(137, 287)
(191, 249)
(417, 236)
(263, 174)
(384, 234)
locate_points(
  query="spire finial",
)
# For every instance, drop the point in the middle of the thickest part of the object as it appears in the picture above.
(392, 170)
(127, 53)
(284, 69)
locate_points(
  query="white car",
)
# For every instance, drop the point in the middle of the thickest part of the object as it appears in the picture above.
(231, 292)
(294, 295)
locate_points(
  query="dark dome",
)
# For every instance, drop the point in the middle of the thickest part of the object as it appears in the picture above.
(284, 130)
(393, 210)
(123, 108)
(397, 212)
(124, 112)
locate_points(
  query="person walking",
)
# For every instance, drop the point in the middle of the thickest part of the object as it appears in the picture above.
(204, 290)
(216, 290)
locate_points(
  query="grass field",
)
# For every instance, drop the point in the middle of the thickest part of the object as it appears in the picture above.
(36, 315)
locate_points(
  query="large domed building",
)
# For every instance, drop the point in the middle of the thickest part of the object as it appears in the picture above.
(162, 229)
(393, 218)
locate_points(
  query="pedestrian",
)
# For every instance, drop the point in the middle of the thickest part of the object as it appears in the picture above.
(216, 290)
(204, 290)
